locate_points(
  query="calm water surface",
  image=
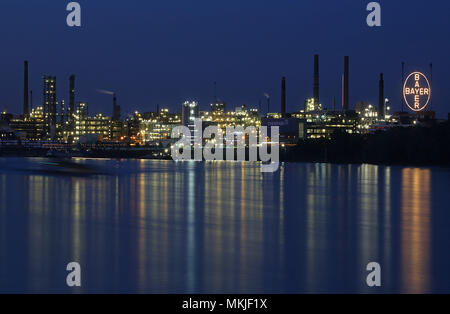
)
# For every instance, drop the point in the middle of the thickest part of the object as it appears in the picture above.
(223, 227)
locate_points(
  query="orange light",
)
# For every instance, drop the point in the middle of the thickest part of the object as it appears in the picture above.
(417, 92)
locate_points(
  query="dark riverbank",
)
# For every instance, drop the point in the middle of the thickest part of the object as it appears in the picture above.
(401, 146)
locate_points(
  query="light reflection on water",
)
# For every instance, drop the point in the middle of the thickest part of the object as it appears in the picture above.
(223, 227)
(416, 229)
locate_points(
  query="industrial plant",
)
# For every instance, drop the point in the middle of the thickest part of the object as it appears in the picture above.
(54, 124)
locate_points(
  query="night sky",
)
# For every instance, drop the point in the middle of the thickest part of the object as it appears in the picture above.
(163, 52)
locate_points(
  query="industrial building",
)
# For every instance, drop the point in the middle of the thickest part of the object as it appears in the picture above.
(310, 121)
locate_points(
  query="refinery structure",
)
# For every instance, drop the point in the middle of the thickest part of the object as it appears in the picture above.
(55, 122)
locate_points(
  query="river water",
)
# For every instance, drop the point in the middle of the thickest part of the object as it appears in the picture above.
(151, 226)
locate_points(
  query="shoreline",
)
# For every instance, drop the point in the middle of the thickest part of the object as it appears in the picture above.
(384, 164)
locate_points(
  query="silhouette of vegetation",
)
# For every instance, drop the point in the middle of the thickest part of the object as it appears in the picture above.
(415, 146)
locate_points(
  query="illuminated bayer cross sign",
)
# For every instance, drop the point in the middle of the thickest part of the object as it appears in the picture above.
(417, 91)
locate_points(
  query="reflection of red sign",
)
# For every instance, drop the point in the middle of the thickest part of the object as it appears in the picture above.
(417, 91)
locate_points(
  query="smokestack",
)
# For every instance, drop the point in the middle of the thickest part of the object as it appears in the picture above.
(346, 83)
(431, 83)
(283, 96)
(31, 101)
(403, 82)
(381, 98)
(116, 109)
(316, 80)
(25, 90)
(71, 96)
(268, 102)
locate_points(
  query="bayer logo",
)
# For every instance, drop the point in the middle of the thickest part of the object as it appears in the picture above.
(417, 91)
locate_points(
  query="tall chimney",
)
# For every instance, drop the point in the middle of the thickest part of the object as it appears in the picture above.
(346, 83)
(403, 82)
(25, 90)
(381, 98)
(316, 80)
(114, 106)
(116, 109)
(71, 97)
(283, 96)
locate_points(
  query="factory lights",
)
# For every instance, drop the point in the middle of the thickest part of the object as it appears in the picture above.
(235, 141)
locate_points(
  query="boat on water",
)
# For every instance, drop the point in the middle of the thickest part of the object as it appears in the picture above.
(65, 166)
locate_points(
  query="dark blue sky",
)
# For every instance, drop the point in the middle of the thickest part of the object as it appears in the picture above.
(162, 52)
